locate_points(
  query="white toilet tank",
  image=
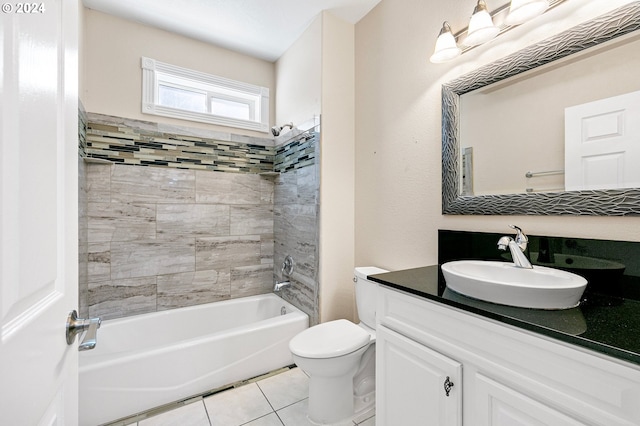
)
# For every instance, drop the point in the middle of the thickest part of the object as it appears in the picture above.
(366, 294)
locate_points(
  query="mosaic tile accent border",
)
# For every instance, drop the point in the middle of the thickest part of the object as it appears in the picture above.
(299, 153)
(141, 147)
(134, 142)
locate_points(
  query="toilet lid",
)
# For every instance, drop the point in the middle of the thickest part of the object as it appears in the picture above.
(329, 340)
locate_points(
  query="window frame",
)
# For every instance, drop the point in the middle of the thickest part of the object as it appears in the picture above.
(154, 73)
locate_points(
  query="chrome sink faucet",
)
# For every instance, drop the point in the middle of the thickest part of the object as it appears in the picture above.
(517, 246)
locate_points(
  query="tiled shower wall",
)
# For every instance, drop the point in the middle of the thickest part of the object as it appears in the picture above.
(161, 237)
(296, 230)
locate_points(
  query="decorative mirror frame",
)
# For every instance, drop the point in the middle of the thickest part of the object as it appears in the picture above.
(618, 202)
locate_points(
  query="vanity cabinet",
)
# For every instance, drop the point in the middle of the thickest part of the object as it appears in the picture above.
(502, 375)
(418, 385)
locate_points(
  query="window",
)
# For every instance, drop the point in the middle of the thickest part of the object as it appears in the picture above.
(172, 91)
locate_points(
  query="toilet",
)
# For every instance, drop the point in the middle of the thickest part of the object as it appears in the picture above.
(339, 357)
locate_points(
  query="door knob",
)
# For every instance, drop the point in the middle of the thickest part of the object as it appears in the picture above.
(77, 325)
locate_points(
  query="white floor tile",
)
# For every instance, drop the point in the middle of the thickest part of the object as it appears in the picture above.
(192, 414)
(287, 393)
(285, 388)
(295, 415)
(237, 406)
(268, 420)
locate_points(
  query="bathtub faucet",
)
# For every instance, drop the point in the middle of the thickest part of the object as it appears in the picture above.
(280, 285)
(286, 270)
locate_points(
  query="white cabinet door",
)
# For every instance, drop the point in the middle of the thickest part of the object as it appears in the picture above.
(500, 405)
(39, 205)
(411, 381)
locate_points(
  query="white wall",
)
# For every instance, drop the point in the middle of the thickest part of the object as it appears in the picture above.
(337, 168)
(398, 137)
(299, 78)
(112, 77)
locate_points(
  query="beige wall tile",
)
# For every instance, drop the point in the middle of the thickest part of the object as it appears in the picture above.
(121, 222)
(119, 298)
(99, 262)
(227, 188)
(250, 220)
(152, 184)
(192, 220)
(251, 280)
(193, 288)
(98, 182)
(149, 258)
(227, 252)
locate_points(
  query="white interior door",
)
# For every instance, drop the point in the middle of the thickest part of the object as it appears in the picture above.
(38, 196)
(602, 144)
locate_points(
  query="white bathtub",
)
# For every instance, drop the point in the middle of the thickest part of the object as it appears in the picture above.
(145, 361)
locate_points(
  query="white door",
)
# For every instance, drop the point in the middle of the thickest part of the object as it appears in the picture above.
(602, 144)
(38, 196)
(415, 385)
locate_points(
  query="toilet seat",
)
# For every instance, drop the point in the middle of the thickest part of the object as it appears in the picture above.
(329, 340)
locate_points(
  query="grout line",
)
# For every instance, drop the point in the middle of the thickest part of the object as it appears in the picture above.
(265, 396)
(207, 412)
(253, 420)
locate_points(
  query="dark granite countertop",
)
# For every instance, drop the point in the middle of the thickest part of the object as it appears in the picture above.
(609, 325)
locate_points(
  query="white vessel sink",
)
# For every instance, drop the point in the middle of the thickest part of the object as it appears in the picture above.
(506, 284)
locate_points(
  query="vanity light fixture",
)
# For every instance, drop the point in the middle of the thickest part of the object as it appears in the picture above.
(446, 46)
(521, 11)
(482, 29)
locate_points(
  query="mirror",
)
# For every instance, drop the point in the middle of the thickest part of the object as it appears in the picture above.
(568, 53)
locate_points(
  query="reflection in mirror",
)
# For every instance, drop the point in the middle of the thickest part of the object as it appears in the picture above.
(521, 123)
(504, 125)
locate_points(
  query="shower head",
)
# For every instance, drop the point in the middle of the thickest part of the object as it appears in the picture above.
(275, 130)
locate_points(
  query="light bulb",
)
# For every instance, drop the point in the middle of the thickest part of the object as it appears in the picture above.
(521, 11)
(481, 28)
(446, 47)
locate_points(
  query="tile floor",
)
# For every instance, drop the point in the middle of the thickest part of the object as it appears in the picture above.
(279, 400)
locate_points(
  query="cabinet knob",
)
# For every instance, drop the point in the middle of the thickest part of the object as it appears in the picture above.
(448, 384)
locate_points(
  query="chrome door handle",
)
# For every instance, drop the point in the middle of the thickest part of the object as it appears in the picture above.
(77, 325)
